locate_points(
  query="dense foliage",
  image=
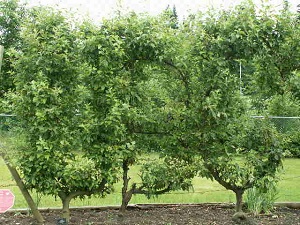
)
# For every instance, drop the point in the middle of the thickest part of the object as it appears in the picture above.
(11, 15)
(93, 99)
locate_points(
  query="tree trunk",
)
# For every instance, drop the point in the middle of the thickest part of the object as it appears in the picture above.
(66, 209)
(36, 213)
(65, 199)
(239, 200)
(126, 195)
(239, 191)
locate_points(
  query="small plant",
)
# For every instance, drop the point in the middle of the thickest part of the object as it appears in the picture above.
(17, 213)
(38, 198)
(261, 198)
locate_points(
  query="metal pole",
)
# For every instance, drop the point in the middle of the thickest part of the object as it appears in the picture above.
(1, 55)
(240, 77)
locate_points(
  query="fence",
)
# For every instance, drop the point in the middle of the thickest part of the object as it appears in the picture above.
(7, 121)
(284, 124)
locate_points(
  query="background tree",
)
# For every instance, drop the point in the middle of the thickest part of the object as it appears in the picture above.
(11, 15)
(171, 14)
(275, 35)
(276, 66)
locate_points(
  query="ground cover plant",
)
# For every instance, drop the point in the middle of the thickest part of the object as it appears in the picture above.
(93, 101)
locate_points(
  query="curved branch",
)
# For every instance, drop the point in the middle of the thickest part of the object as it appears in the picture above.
(75, 194)
(184, 79)
(66, 198)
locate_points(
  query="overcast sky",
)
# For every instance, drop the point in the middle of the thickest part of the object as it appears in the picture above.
(98, 9)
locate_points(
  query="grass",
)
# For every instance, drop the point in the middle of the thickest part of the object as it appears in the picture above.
(204, 191)
(290, 182)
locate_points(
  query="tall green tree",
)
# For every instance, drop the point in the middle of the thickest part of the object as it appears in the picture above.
(48, 99)
(212, 119)
(120, 102)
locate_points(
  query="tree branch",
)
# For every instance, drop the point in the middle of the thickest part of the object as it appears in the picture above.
(142, 190)
(74, 194)
(184, 79)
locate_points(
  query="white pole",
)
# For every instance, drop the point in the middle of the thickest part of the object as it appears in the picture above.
(1, 55)
(240, 77)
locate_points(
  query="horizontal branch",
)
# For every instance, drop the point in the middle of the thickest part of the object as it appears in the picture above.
(74, 194)
(142, 190)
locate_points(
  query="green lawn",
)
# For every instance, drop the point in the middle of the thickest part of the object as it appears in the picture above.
(204, 191)
(290, 181)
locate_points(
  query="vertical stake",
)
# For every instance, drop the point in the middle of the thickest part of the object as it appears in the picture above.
(240, 77)
(1, 55)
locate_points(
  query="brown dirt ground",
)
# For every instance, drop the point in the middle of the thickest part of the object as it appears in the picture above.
(157, 215)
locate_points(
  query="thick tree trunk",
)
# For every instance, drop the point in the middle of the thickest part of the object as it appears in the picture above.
(66, 208)
(65, 199)
(239, 200)
(126, 199)
(36, 213)
(126, 195)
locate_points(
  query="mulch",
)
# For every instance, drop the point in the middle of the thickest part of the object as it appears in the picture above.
(202, 214)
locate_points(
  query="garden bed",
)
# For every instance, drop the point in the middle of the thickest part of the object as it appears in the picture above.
(212, 214)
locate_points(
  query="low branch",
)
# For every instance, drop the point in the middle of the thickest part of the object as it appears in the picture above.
(216, 175)
(143, 190)
(170, 64)
(75, 194)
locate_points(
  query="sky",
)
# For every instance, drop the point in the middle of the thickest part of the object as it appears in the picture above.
(98, 9)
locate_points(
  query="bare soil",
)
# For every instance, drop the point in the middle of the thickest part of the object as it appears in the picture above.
(206, 214)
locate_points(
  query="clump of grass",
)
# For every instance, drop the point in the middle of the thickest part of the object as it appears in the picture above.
(261, 199)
